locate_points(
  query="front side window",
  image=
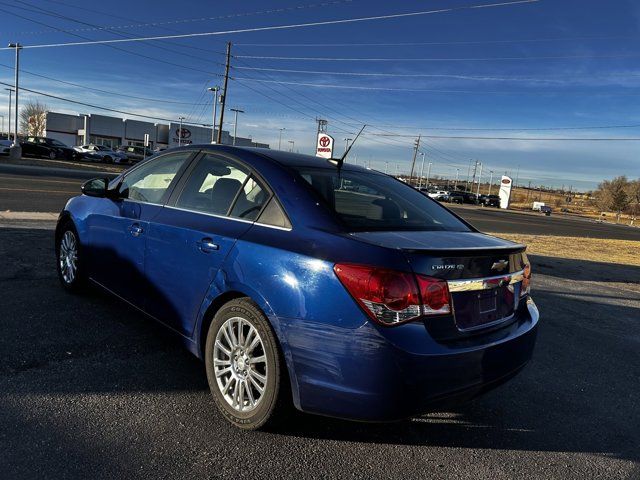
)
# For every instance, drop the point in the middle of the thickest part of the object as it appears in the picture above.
(150, 182)
(373, 201)
(216, 184)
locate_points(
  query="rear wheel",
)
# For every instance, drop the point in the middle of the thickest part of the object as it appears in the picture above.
(246, 374)
(52, 155)
(69, 260)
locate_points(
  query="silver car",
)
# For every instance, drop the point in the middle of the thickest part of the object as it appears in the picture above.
(100, 152)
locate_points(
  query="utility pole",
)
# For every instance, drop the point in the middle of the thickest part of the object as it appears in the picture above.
(455, 185)
(235, 123)
(415, 154)
(490, 181)
(479, 179)
(322, 128)
(429, 173)
(280, 138)
(293, 143)
(10, 90)
(468, 175)
(346, 146)
(473, 180)
(223, 100)
(180, 132)
(422, 171)
(16, 150)
(215, 91)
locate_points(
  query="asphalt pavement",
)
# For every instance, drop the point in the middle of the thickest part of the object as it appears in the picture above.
(47, 188)
(90, 388)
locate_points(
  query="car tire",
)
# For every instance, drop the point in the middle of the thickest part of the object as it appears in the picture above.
(70, 262)
(107, 159)
(239, 365)
(52, 155)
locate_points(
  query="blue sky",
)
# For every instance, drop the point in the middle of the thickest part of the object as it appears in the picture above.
(508, 71)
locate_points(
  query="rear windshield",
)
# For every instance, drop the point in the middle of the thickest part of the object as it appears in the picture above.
(368, 201)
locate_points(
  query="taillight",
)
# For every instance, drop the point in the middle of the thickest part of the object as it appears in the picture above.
(390, 297)
(526, 281)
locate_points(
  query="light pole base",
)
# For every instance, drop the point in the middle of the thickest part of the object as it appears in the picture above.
(15, 152)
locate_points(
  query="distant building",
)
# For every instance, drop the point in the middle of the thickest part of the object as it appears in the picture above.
(114, 131)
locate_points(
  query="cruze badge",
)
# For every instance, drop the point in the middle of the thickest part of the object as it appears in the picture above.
(500, 265)
(447, 267)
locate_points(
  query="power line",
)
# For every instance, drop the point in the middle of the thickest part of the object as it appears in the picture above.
(99, 90)
(435, 59)
(501, 78)
(190, 20)
(282, 27)
(429, 90)
(541, 139)
(416, 44)
(57, 97)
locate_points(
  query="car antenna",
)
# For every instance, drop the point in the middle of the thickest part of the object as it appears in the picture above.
(339, 161)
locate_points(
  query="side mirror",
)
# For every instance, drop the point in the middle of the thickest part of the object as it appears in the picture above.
(96, 187)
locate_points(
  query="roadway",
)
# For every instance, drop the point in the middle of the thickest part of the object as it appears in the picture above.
(25, 188)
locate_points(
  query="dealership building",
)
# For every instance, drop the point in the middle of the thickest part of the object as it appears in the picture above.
(113, 132)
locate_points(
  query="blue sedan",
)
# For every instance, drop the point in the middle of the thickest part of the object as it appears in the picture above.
(303, 283)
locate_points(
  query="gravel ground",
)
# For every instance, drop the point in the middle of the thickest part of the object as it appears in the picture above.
(90, 388)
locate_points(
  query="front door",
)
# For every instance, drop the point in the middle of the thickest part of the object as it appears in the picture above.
(118, 230)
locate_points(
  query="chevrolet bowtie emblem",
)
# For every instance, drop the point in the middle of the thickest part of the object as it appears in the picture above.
(500, 265)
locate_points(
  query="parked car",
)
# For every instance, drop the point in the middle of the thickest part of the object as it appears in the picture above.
(5, 145)
(135, 154)
(470, 197)
(296, 292)
(489, 200)
(546, 210)
(47, 148)
(456, 197)
(440, 195)
(101, 153)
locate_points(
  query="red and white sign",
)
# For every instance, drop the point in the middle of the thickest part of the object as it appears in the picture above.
(324, 147)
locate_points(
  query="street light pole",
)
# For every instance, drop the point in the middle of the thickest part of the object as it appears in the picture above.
(180, 132)
(10, 90)
(429, 173)
(479, 180)
(236, 111)
(215, 91)
(280, 138)
(455, 185)
(421, 170)
(293, 143)
(16, 150)
(490, 181)
(347, 140)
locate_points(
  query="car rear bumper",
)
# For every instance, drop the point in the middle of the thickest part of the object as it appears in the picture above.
(381, 374)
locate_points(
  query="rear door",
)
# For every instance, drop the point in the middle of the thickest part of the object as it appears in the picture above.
(118, 231)
(216, 203)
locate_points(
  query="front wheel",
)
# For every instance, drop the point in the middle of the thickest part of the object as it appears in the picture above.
(52, 155)
(246, 374)
(69, 260)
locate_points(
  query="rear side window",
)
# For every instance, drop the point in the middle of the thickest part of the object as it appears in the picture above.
(216, 184)
(373, 201)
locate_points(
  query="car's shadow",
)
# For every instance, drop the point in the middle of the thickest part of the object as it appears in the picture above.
(579, 394)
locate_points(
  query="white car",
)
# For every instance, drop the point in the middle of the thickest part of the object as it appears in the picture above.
(439, 195)
(100, 152)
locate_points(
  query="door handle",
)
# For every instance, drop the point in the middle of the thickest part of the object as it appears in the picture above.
(206, 245)
(136, 230)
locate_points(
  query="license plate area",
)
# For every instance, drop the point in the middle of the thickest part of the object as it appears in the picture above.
(477, 309)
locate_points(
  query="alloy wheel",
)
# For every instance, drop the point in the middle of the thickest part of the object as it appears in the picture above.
(68, 258)
(240, 364)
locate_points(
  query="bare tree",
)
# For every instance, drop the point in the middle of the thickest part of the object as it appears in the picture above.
(633, 190)
(33, 118)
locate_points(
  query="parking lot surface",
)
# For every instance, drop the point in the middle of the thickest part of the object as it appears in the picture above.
(90, 388)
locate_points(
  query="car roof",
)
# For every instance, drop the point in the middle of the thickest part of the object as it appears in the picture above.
(288, 159)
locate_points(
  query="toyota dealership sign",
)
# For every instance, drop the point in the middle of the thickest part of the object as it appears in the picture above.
(505, 191)
(324, 148)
